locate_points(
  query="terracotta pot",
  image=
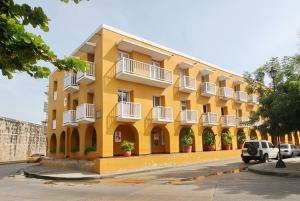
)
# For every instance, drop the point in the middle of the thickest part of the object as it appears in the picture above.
(188, 148)
(227, 147)
(211, 147)
(127, 153)
(240, 146)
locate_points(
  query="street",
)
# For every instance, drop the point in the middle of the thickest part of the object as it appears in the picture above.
(217, 180)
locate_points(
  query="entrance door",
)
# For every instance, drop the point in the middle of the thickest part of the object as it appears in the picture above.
(123, 96)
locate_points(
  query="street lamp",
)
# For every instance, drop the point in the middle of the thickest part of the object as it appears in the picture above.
(280, 163)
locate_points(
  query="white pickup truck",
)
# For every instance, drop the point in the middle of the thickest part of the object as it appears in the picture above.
(259, 150)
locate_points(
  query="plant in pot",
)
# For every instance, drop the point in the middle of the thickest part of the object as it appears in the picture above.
(188, 140)
(127, 147)
(241, 138)
(210, 141)
(226, 140)
(89, 149)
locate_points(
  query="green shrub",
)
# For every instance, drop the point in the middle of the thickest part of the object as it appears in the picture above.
(188, 137)
(241, 137)
(89, 149)
(127, 146)
(209, 138)
(226, 138)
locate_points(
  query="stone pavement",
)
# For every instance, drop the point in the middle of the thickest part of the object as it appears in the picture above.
(292, 169)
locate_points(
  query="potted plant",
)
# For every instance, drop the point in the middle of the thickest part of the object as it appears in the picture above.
(210, 141)
(127, 147)
(226, 140)
(89, 149)
(241, 137)
(188, 140)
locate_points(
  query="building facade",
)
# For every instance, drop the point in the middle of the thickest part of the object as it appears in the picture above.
(139, 91)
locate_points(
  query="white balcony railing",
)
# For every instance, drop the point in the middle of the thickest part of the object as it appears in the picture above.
(69, 118)
(162, 115)
(226, 93)
(87, 76)
(210, 119)
(128, 111)
(240, 96)
(136, 71)
(70, 83)
(187, 84)
(54, 124)
(46, 107)
(208, 89)
(85, 113)
(55, 95)
(228, 120)
(189, 117)
(253, 99)
(242, 122)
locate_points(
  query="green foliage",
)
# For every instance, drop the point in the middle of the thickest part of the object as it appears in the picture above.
(188, 137)
(89, 149)
(241, 137)
(226, 138)
(209, 138)
(127, 146)
(253, 137)
(20, 50)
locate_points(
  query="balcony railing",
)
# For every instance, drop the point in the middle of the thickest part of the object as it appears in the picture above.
(162, 115)
(226, 93)
(210, 119)
(208, 89)
(253, 99)
(70, 84)
(85, 113)
(136, 71)
(69, 118)
(46, 107)
(187, 84)
(228, 121)
(54, 124)
(129, 112)
(242, 122)
(88, 76)
(240, 96)
(189, 117)
(55, 95)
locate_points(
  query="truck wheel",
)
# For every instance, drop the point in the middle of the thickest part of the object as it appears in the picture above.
(246, 161)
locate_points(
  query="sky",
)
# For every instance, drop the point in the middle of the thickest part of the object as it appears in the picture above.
(233, 34)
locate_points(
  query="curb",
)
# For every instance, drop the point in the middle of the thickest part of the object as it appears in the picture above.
(274, 173)
(12, 162)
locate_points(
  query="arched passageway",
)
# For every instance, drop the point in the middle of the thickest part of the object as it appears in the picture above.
(296, 138)
(90, 139)
(226, 139)
(159, 140)
(53, 143)
(253, 135)
(208, 140)
(62, 142)
(240, 137)
(183, 133)
(75, 141)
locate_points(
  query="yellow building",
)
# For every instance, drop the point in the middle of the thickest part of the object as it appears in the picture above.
(142, 92)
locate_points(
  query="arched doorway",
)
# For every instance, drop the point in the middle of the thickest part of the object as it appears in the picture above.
(253, 135)
(159, 140)
(264, 136)
(75, 141)
(53, 144)
(226, 139)
(290, 138)
(282, 139)
(240, 138)
(296, 138)
(62, 142)
(125, 133)
(184, 131)
(208, 140)
(90, 140)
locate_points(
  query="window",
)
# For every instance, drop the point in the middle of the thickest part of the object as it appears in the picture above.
(183, 104)
(270, 145)
(205, 108)
(123, 96)
(156, 101)
(248, 144)
(122, 55)
(202, 78)
(222, 111)
(264, 145)
(284, 146)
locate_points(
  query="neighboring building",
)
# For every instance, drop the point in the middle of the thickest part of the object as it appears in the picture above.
(20, 139)
(139, 91)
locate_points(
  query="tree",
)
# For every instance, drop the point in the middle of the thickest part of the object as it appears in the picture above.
(21, 50)
(280, 102)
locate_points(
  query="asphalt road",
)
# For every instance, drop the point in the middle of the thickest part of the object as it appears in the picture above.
(219, 180)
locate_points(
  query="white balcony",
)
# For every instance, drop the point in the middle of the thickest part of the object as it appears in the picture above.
(226, 93)
(240, 97)
(136, 71)
(46, 107)
(69, 118)
(162, 115)
(55, 95)
(187, 84)
(189, 117)
(54, 124)
(208, 89)
(228, 121)
(85, 113)
(129, 112)
(210, 119)
(242, 122)
(88, 76)
(253, 99)
(70, 84)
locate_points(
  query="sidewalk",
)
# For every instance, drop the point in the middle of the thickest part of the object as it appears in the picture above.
(292, 168)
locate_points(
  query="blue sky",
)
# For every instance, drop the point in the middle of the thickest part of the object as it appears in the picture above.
(234, 34)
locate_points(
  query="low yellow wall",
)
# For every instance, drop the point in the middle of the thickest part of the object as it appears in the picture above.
(134, 163)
